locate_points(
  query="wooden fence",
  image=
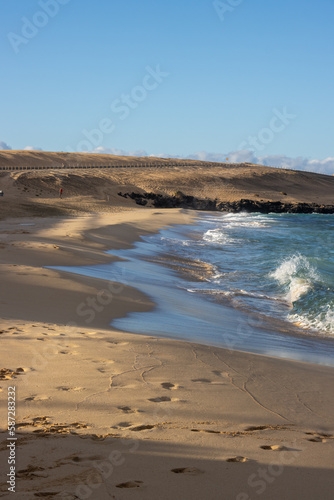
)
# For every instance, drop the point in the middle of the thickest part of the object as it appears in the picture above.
(124, 165)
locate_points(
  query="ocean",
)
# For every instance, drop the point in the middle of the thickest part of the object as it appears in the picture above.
(260, 283)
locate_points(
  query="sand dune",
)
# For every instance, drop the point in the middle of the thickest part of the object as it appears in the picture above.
(36, 192)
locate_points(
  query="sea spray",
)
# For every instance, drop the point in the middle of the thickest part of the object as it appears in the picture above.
(296, 275)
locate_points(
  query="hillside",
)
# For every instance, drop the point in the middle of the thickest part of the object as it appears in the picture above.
(36, 192)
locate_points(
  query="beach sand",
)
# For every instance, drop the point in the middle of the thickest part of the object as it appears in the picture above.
(103, 414)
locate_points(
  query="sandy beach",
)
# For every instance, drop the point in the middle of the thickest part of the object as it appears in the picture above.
(103, 414)
(166, 250)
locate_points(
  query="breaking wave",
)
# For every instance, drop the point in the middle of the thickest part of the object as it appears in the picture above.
(296, 275)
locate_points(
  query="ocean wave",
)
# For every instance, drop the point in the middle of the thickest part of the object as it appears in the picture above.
(297, 276)
(231, 293)
(217, 236)
(323, 321)
(246, 224)
(212, 291)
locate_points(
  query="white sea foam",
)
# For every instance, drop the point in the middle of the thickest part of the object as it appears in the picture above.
(297, 275)
(175, 241)
(324, 321)
(230, 293)
(212, 291)
(246, 224)
(217, 236)
(244, 220)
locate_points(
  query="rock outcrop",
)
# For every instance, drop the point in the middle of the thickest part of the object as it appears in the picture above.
(180, 200)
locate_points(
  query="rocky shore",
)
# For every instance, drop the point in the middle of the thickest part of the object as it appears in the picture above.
(180, 200)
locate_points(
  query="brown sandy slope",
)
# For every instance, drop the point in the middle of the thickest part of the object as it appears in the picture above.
(35, 192)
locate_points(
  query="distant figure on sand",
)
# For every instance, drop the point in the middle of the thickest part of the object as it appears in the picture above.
(60, 192)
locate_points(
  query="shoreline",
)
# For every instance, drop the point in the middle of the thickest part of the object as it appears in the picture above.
(214, 415)
(71, 241)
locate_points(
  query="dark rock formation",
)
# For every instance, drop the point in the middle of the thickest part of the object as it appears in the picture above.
(181, 200)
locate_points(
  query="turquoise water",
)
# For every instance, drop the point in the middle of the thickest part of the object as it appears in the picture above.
(268, 287)
(277, 264)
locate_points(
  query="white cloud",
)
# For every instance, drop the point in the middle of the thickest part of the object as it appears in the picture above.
(243, 156)
(4, 145)
(118, 152)
(325, 166)
(32, 148)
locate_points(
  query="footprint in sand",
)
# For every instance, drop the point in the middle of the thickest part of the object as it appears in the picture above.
(127, 409)
(69, 389)
(130, 484)
(76, 458)
(168, 385)
(30, 398)
(163, 399)
(73, 353)
(44, 426)
(31, 471)
(207, 381)
(209, 431)
(274, 447)
(190, 471)
(37, 398)
(264, 427)
(257, 428)
(220, 374)
(237, 459)
(318, 437)
(103, 369)
(115, 343)
(160, 400)
(122, 425)
(7, 374)
(34, 422)
(39, 420)
(202, 380)
(142, 428)
(63, 428)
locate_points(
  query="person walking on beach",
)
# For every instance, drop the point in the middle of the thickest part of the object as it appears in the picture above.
(60, 192)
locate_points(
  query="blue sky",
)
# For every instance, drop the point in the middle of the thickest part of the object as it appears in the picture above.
(180, 78)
